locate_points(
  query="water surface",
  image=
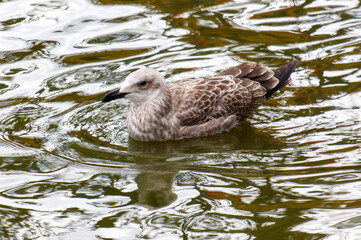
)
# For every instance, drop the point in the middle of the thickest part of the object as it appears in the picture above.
(68, 169)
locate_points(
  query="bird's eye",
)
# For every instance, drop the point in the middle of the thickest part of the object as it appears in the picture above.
(143, 83)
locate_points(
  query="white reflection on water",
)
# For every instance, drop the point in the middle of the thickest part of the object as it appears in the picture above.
(68, 168)
(336, 223)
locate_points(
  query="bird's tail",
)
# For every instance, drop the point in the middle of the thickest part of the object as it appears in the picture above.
(283, 75)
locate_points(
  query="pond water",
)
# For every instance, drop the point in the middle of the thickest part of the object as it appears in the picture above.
(68, 169)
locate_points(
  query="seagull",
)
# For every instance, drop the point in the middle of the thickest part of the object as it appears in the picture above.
(196, 107)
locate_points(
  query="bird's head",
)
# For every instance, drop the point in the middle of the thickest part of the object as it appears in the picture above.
(139, 87)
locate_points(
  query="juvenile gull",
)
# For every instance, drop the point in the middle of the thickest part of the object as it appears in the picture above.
(196, 107)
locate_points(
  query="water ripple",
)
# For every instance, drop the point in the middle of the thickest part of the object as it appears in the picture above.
(69, 170)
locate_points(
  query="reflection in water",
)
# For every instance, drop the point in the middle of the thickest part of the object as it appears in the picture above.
(155, 188)
(155, 179)
(68, 169)
(167, 6)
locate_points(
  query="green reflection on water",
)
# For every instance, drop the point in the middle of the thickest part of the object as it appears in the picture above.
(70, 170)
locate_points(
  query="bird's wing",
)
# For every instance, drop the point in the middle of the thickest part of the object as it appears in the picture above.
(271, 80)
(254, 72)
(235, 91)
(194, 99)
(199, 100)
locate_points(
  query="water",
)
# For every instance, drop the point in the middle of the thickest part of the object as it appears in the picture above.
(70, 171)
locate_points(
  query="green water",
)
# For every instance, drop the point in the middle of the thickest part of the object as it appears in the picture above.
(68, 169)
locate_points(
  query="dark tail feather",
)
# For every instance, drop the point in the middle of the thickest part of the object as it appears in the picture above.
(283, 75)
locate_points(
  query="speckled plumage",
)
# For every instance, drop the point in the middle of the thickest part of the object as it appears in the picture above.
(196, 107)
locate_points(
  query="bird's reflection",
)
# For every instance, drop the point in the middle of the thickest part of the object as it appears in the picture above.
(155, 188)
(157, 172)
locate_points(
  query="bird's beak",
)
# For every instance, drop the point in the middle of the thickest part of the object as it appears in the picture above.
(115, 94)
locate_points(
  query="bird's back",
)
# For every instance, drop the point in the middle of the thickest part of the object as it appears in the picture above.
(235, 91)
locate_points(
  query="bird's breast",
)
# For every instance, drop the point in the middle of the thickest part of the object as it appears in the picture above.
(147, 125)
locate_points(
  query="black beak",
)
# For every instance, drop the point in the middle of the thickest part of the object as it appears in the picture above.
(113, 95)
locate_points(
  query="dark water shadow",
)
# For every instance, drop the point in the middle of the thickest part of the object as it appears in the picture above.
(166, 6)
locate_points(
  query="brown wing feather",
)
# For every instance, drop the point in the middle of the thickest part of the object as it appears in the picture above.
(209, 98)
(235, 91)
(271, 80)
(198, 99)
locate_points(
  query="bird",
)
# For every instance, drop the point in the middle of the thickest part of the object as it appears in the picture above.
(198, 106)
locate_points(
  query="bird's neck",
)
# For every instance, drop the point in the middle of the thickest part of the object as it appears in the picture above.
(160, 105)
